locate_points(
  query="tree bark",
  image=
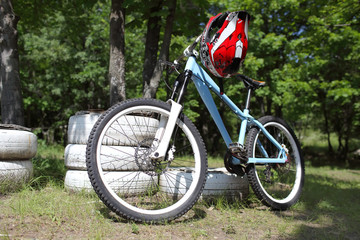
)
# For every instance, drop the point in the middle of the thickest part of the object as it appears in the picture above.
(153, 84)
(327, 128)
(151, 48)
(12, 108)
(117, 52)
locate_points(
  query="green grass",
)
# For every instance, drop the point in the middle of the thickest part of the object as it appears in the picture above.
(315, 149)
(331, 199)
(215, 162)
(328, 209)
(8, 185)
(48, 165)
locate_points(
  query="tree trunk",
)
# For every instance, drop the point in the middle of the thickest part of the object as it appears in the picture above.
(117, 52)
(151, 48)
(12, 108)
(327, 128)
(153, 84)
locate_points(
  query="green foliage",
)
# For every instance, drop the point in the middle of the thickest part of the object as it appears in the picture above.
(308, 54)
(306, 51)
(331, 65)
(63, 61)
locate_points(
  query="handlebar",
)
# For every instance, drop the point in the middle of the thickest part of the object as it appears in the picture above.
(189, 51)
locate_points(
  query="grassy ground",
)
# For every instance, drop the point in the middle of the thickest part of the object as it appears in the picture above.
(329, 209)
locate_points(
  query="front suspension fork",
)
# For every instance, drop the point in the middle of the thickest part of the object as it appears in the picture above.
(164, 132)
(167, 124)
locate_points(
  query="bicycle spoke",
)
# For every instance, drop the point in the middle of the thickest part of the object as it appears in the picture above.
(136, 182)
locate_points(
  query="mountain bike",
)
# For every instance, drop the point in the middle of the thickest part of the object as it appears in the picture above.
(147, 161)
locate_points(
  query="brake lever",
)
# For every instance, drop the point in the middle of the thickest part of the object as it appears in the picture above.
(173, 65)
(187, 53)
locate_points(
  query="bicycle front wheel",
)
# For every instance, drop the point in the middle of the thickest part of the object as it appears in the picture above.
(276, 185)
(128, 180)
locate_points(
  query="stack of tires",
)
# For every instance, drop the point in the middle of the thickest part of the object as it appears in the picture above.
(79, 128)
(17, 146)
(219, 181)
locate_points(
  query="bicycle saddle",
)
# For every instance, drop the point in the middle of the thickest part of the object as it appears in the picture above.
(249, 82)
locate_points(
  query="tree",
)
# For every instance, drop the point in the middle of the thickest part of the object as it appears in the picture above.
(151, 86)
(307, 52)
(151, 47)
(331, 44)
(117, 52)
(10, 87)
(64, 56)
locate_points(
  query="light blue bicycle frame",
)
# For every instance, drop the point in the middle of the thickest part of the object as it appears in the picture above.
(203, 83)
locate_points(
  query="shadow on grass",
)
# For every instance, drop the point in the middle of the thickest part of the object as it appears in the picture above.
(194, 214)
(198, 214)
(329, 209)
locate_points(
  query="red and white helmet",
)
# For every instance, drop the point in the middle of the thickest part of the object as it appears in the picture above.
(222, 52)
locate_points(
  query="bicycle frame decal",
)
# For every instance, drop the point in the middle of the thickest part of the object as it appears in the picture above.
(203, 83)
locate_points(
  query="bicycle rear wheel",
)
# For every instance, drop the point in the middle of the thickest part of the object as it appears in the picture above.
(276, 185)
(124, 176)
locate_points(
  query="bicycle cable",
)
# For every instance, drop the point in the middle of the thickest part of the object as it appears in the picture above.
(176, 64)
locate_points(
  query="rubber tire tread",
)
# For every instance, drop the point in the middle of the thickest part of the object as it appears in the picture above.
(103, 193)
(250, 170)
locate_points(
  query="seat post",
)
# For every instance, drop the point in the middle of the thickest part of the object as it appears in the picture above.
(247, 106)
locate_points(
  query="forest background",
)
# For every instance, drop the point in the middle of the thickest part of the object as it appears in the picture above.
(308, 53)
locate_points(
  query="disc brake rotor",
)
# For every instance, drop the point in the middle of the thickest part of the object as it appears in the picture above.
(144, 161)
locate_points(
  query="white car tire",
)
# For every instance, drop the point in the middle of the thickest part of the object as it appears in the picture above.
(219, 182)
(117, 158)
(12, 171)
(79, 180)
(80, 127)
(126, 132)
(17, 144)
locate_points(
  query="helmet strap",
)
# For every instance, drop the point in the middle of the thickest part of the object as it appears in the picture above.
(221, 85)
